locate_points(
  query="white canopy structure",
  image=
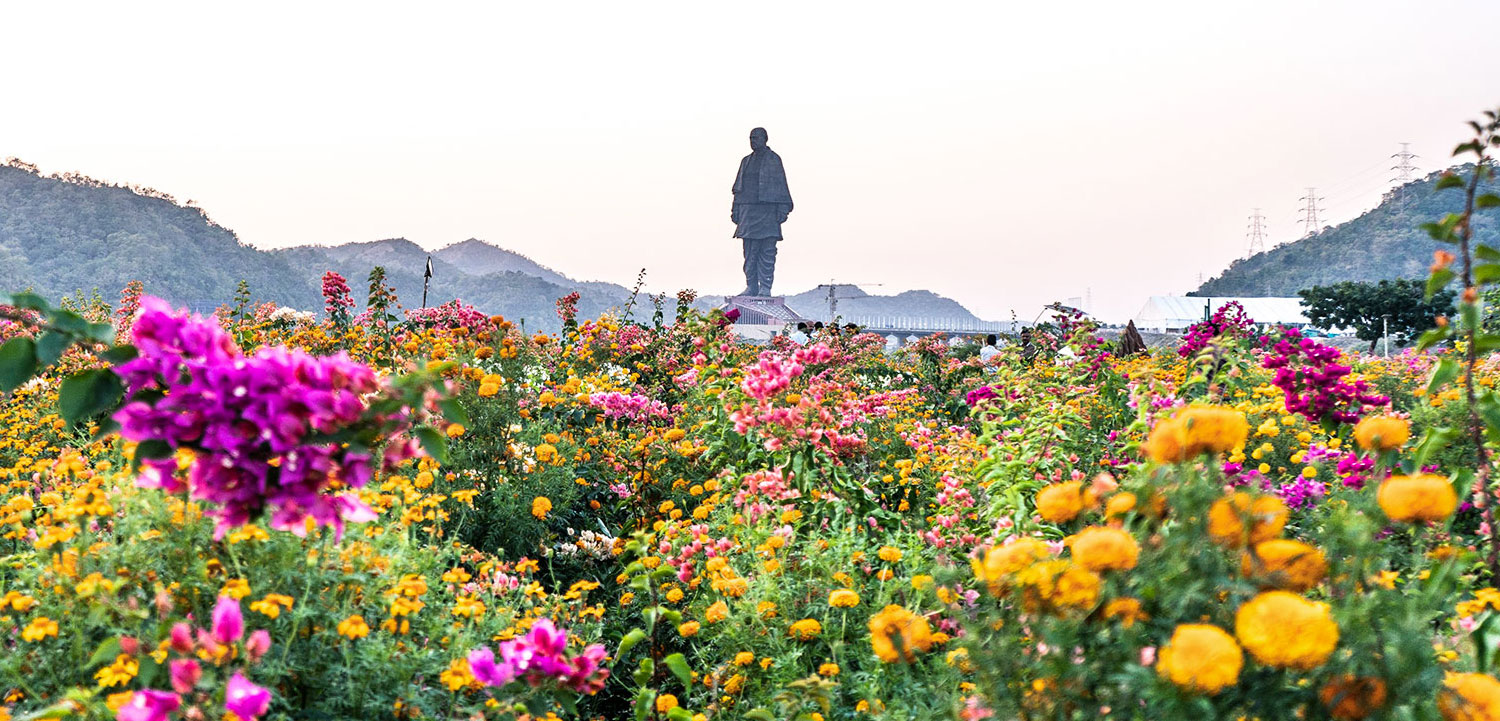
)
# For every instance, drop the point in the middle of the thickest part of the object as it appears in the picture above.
(1174, 313)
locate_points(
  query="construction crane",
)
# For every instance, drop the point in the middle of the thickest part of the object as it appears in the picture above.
(833, 297)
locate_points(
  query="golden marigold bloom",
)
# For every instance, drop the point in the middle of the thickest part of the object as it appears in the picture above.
(1382, 433)
(1167, 442)
(1286, 564)
(1284, 630)
(744, 658)
(843, 598)
(1060, 502)
(889, 554)
(1104, 549)
(545, 453)
(1469, 697)
(1351, 698)
(458, 675)
(665, 702)
(1196, 430)
(354, 627)
(1002, 561)
(688, 629)
(1059, 585)
(1128, 610)
(1201, 658)
(540, 506)
(805, 630)
(896, 634)
(716, 612)
(1227, 516)
(455, 430)
(828, 670)
(1119, 505)
(39, 628)
(1424, 497)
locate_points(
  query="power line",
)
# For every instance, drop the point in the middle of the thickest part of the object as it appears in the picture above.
(1404, 167)
(1310, 222)
(1256, 233)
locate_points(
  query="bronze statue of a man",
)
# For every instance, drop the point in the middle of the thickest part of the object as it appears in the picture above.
(761, 204)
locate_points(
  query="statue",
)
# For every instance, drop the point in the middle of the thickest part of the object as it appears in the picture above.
(761, 204)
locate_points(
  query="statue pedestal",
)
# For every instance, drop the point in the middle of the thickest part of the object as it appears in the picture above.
(763, 310)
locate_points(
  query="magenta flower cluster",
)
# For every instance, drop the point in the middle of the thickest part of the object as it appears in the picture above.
(258, 425)
(243, 697)
(539, 656)
(1230, 320)
(336, 298)
(1314, 383)
(453, 314)
(629, 406)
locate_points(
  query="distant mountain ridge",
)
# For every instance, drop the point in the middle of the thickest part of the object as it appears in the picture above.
(1385, 243)
(61, 234)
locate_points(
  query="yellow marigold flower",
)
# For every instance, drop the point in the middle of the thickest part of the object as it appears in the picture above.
(235, 588)
(731, 587)
(1284, 630)
(688, 629)
(896, 634)
(120, 672)
(921, 581)
(1127, 610)
(1059, 585)
(1196, 430)
(458, 675)
(1002, 561)
(889, 554)
(716, 612)
(1351, 698)
(744, 658)
(1469, 697)
(1060, 502)
(1104, 549)
(1227, 516)
(665, 702)
(540, 506)
(455, 430)
(1410, 499)
(843, 598)
(1284, 563)
(828, 670)
(354, 627)
(1119, 504)
(805, 630)
(1382, 433)
(488, 389)
(545, 453)
(765, 609)
(39, 628)
(1201, 658)
(674, 595)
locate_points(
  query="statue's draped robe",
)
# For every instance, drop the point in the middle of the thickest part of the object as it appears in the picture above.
(761, 202)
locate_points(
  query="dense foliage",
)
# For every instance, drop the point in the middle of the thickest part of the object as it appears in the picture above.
(1399, 308)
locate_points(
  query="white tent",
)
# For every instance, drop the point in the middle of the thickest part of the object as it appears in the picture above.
(1174, 313)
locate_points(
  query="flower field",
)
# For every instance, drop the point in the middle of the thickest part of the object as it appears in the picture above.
(268, 514)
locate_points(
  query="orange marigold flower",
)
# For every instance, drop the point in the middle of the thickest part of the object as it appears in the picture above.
(1002, 561)
(1201, 658)
(1351, 698)
(1469, 697)
(540, 506)
(805, 630)
(1284, 563)
(843, 598)
(1382, 433)
(1284, 630)
(1060, 502)
(688, 629)
(1410, 499)
(1128, 610)
(1102, 549)
(896, 634)
(1196, 430)
(716, 612)
(1227, 517)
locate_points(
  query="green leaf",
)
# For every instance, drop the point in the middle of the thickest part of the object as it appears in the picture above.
(101, 332)
(645, 671)
(30, 301)
(61, 709)
(679, 713)
(635, 636)
(51, 346)
(1433, 441)
(1486, 273)
(760, 714)
(1485, 252)
(1442, 374)
(17, 363)
(88, 393)
(1439, 279)
(1450, 180)
(679, 667)
(435, 443)
(454, 411)
(1433, 337)
(1488, 200)
(120, 354)
(1486, 642)
(106, 651)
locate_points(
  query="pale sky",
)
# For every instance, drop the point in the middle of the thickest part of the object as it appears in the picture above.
(1005, 154)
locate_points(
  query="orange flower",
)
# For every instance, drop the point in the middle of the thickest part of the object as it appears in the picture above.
(1410, 499)
(1103, 549)
(1060, 502)
(1382, 433)
(1227, 517)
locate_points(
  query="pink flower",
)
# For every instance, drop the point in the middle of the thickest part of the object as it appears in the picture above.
(182, 638)
(257, 646)
(1148, 655)
(185, 674)
(229, 623)
(482, 665)
(245, 699)
(148, 705)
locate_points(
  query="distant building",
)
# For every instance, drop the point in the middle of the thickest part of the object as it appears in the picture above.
(1175, 313)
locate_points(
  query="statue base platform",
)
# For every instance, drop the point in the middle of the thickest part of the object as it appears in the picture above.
(763, 310)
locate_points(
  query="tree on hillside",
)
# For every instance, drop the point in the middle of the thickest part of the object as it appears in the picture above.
(1397, 305)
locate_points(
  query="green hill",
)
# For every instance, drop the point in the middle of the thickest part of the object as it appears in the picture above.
(1383, 244)
(64, 233)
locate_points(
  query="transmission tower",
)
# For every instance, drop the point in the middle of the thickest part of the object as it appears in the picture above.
(1404, 167)
(1310, 222)
(1256, 233)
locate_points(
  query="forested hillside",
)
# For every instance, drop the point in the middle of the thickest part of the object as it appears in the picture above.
(1383, 244)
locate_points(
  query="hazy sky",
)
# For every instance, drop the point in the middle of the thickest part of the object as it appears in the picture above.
(1006, 154)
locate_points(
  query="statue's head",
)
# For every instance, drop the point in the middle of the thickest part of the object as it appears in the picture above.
(758, 139)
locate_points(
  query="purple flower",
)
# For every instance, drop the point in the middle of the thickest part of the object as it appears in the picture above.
(482, 665)
(245, 699)
(229, 623)
(148, 705)
(185, 674)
